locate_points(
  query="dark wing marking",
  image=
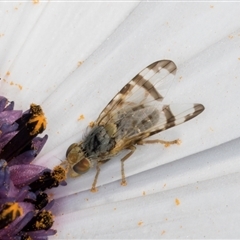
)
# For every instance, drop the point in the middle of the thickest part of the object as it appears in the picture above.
(149, 121)
(151, 84)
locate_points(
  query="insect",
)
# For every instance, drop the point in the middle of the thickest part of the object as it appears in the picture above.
(134, 114)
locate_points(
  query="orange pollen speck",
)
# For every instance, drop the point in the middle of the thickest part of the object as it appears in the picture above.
(80, 63)
(91, 124)
(38, 118)
(59, 173)
(177, 201)
(10, 211)
(140, 223)
(81, 117)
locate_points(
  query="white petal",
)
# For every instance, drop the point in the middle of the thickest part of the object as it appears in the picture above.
(189, 198)
(41, 45)
(205, 78)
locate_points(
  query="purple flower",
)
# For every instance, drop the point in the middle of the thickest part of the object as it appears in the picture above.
(24, 206)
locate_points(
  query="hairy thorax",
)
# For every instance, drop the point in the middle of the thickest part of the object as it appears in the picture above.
(97, 142)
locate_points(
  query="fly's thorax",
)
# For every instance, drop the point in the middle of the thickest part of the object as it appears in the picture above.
(98, 141)
(77, 160)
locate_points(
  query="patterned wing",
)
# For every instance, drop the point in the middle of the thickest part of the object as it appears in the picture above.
(141, 123)
(150, 85)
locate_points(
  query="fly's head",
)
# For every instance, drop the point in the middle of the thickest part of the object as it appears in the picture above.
(78, 163)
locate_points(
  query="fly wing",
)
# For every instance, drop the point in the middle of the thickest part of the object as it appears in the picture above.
(175, 114)
(144, 122)
(148, 86)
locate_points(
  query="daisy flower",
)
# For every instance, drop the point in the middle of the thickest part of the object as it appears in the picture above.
(25, 206)
(72, 58)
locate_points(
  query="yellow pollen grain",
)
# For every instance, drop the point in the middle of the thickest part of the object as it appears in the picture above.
(91, 124)
(12, 83)
(81, 117)
(8, 73)
(46, 220)
(11, 209)
(177, 201)
(38, 118)
(140, 223)
(80, 63)
(36, 1)
(163, 232)
(59, 173)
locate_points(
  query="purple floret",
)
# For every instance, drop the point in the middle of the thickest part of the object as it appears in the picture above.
(23, 202)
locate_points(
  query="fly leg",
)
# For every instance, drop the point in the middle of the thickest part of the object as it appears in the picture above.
(94, 189)
(166, 143)
(132, 148)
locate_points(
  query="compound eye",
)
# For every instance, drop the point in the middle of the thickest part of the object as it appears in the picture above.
(82, 166)
(70, 148)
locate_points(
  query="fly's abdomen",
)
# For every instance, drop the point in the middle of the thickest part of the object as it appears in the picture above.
(137, 120)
